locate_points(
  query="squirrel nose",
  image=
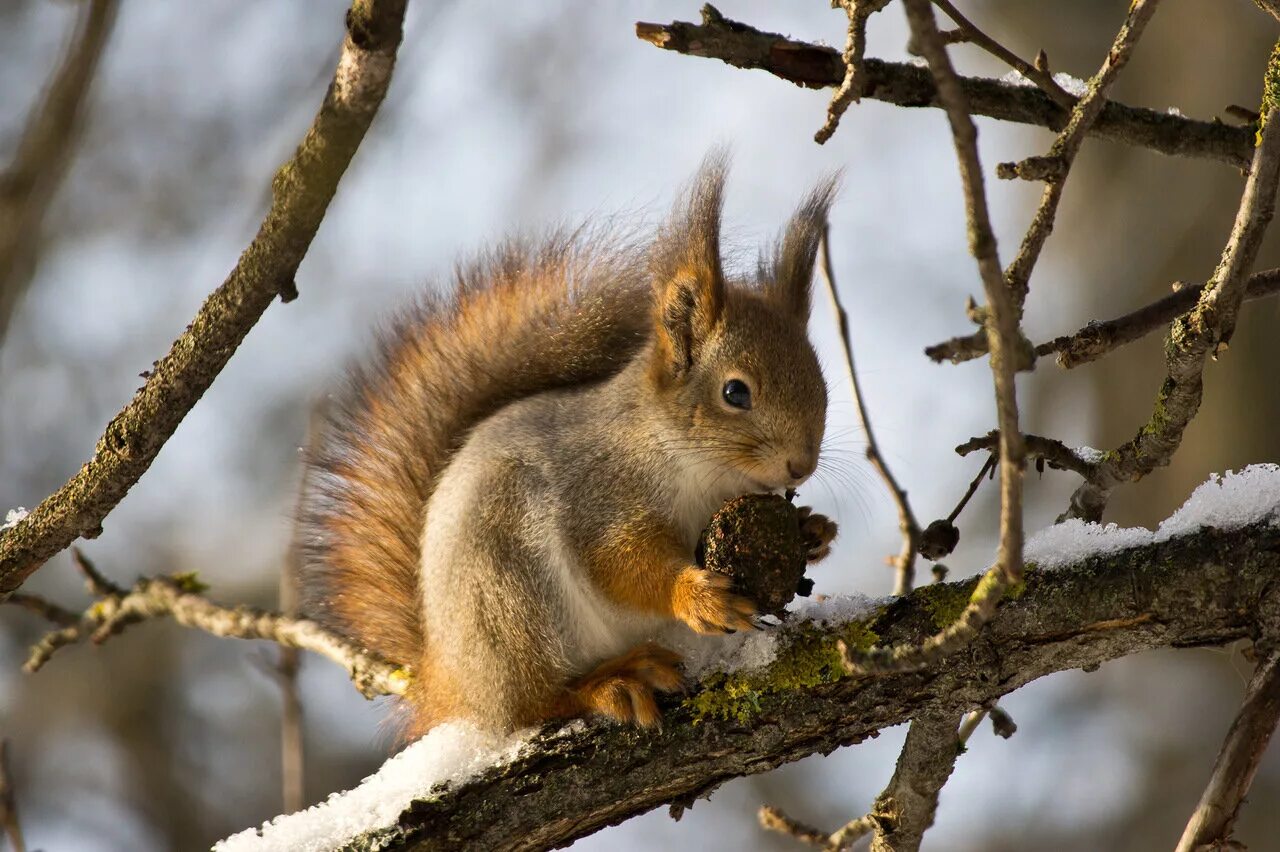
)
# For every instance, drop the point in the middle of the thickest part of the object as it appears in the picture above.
(800, 470)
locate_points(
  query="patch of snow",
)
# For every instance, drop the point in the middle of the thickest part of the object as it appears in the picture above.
(1072, 85)
(1174, 111)
(455, 752)
(1089, 455)
(12, 517)
(1230, 501)
(1016, 78)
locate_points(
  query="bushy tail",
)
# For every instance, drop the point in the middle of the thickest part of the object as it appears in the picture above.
(523, 319)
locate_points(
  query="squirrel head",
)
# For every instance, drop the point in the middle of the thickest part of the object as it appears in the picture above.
(731, 362)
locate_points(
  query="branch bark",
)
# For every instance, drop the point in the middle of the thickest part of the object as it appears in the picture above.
(906, 808)
(301, 192)
(1205, 589)
(814, 66)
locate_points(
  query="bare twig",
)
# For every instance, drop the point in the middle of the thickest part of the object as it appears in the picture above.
(850, 87)
(816, 66)
(987, 467)
(302, 190)
(179, 597)
(1064, 149)
(8, 803)
(904, 563)
(1098, 338)
(44, 154)
(1006, 344)
(1202, 332)
(1057, 454)
(1041, 77)
(1215, 815)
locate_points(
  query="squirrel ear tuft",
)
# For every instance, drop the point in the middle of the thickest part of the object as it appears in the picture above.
(687, 272)
(788, 273)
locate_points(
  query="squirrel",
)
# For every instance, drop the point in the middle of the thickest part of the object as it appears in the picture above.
(507, 497)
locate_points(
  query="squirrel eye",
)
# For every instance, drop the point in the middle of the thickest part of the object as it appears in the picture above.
(737, 394)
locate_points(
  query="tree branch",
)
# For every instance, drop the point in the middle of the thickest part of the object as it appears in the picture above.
(30, 183)
(1098, 338)
(179, 597)
(855, 47)
(815, 67)
(1204, 589)
(301, 192)
(1202, 332)
(1233, 771)
(905, 810)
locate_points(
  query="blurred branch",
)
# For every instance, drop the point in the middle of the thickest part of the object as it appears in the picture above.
(855, 46)
(904, 563)
(8, 803)
(1006, 343)
(30, 183)
(292, 747)
(815, 66)
(179, 597)
(1202, 332)
(1053, 451)
(301, 192)
(1204, 589)
(1215, 815)
(1098, 338)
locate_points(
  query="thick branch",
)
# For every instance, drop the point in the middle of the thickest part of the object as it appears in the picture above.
(30, 183)
(301, 192)
(1211, 823)
(814, 66)
(1205, 589)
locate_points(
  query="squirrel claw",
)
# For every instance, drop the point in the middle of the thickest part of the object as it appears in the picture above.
(818, 531)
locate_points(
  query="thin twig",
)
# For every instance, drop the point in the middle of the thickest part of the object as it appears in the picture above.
(1057, 454)
(1006, 343)
(1215, 815)
(8, 803)
(975, 36)
(1063, 152)
(816, 66)
(301, 192)
(850, 88)
(987, 467)
(179, 597)
(905, 562)
(1201, 333)
(1098, 338)
(30, 183)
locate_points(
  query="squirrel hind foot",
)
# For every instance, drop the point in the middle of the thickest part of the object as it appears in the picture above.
(623, 688)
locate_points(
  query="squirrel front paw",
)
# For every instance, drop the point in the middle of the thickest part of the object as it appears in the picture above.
(818, 531)
(704, 601)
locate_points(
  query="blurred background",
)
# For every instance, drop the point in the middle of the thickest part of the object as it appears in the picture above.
(507, 116)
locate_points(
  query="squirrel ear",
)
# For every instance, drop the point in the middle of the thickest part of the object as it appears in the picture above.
(788, 273)
(687, 274)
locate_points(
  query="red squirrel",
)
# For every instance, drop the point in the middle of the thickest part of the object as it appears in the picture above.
(507, 496)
